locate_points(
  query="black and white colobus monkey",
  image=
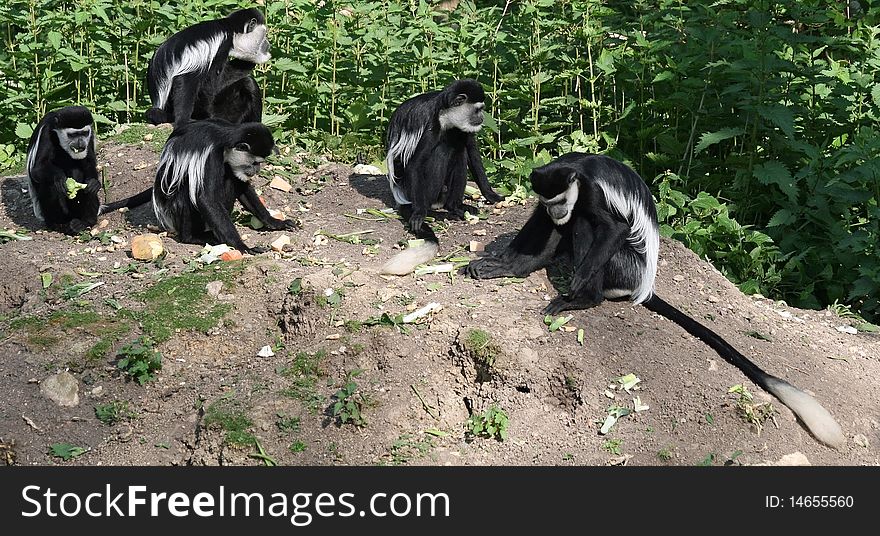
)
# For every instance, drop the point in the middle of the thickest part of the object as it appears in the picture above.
(204, 71)
(63, 147)
(431, 145)
(602, 212)
(204, 167)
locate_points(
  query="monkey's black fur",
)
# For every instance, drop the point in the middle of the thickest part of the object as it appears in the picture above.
(204, 168)
(204, 71)
(61, 147)
(431, 145)
(601, 212)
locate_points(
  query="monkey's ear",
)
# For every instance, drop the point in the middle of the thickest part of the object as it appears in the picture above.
(573, 177)
(243, 146)
(459, 99)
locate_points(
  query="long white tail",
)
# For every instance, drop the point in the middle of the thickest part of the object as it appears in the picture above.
(405, 261)
(816, 418)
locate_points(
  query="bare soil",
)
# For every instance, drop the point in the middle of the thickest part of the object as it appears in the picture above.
(417, 386)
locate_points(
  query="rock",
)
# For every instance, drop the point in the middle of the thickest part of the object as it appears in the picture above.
(61, 388)
(477, 246)
(266, 351)
(793, 459)
(214, 288)
(280, 184)
(713, 298)
(366, 169)
(146, 247)
(280, 242)
(861, 440)
(232, 255)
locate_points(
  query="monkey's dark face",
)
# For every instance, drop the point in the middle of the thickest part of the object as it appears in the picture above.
(557, 190)
(75, 141)
(249, 42)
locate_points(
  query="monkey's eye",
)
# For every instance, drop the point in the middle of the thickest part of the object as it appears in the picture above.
(251, 25)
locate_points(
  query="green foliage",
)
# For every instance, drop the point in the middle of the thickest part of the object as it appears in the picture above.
(350, 403)
(180, 303)
(140, 361)
(780, 130)
(492, 423)
(613, 446)
(113, 412)
(66, 451)
(227, 413)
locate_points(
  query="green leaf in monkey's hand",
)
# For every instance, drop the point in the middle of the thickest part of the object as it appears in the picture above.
(73, 187)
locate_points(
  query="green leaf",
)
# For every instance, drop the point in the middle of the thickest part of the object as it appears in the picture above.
(65, 451)
(711, 138)
(782, 217)
(774, 172)
(779, 115)
(24, 131)
(46, 279)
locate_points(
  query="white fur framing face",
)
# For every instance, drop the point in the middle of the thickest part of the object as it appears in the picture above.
(75, 141)
(244, 165)
(251, 45)
(560, 207)
(466, 117)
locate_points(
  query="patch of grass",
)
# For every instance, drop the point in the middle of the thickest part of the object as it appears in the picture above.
(353, 326)
(407, 448)
(287, 424)
(304, 371)
(296, 447)
(180, 303)
(140, 360)
(483, 351)
(665, 454)
(755, 414)
(758, 335)
(492, 424)
(613, 446)
(113, 412)
(136, 132)
(228, 414)
(49, 331)
(350, 403)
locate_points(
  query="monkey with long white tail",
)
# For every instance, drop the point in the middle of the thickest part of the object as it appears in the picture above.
(602, 213)
(62, 170)
(205, 71)
(431, 145)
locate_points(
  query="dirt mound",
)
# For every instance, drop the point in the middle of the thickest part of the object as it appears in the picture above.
(303, 355)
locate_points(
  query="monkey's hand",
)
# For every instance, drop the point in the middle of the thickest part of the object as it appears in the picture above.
(256, 250)
(93, 186)
(487, 268)
(415, 222)
(558, 305)
(279, 225)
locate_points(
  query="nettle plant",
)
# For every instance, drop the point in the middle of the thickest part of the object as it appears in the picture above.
(780, 131)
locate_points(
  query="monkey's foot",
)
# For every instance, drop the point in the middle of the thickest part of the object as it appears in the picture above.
(492, 197)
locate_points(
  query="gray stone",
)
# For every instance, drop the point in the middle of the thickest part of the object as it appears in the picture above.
(61, 388)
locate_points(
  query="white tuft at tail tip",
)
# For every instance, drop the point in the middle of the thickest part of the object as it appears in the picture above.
(406, 261)
(817, 419)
